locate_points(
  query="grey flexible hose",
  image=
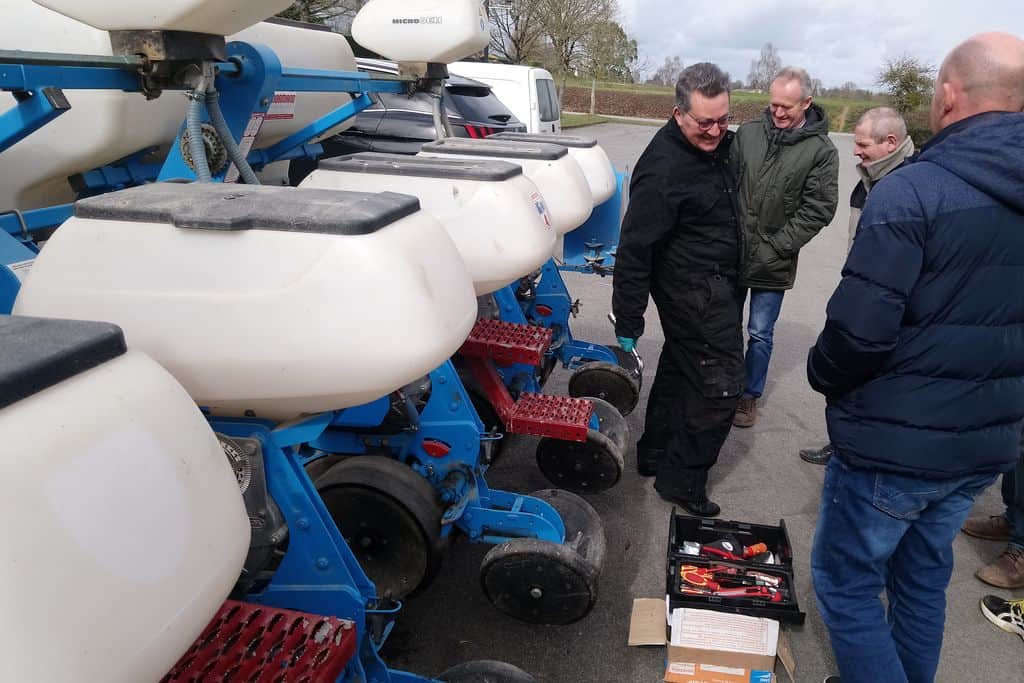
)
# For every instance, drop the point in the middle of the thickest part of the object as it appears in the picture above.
(224, 133)
(194, 124)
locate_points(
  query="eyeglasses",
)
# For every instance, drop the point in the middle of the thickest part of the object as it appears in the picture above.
(707, 124)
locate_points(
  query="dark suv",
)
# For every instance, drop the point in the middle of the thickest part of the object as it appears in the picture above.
(401, 124)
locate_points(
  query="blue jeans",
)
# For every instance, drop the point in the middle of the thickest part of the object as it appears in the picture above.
(879, 531)
(1013, 497)
(765, 305)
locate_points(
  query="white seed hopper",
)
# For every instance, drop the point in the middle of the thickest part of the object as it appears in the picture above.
(443, 31)
(104, 126)
(280, 301)
(556, 174)
(124, 527)
(217, 17)
(494, 214)
(591, 157)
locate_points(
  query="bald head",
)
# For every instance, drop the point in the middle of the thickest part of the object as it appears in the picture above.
(983, 73)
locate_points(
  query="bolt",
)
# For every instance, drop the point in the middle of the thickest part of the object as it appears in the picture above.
(265, 102)
(303, 523)
(536, 593)
(322, 563)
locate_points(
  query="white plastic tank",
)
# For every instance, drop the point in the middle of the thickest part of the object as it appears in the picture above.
(275, 300)
(124, 527)
(556, 174)
(443, 31)
(217, 17)
(104, 126)
(591, 157)
(494, 214)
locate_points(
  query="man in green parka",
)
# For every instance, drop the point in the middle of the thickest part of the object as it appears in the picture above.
(788, 172)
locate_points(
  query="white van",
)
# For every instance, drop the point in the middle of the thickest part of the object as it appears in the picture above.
(529, 92)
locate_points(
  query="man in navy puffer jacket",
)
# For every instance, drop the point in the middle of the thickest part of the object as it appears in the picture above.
(922, 364)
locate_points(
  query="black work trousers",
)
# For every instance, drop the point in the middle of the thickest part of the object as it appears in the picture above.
(697, 385)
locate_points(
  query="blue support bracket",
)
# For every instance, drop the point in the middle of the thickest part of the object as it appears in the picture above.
(126, 172)
(501, 516)
(34, 110)
(320, 126)
(30, 77)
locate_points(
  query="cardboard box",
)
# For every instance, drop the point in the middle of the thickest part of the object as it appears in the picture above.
(714, 647)
(710, 647)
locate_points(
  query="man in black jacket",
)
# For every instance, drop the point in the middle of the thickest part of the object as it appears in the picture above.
(681, 244)
(921, 362)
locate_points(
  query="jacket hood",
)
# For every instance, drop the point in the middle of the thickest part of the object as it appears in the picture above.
(985, 151)
(816, 124)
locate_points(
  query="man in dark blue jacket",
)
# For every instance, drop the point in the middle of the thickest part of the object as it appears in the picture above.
(922, 365)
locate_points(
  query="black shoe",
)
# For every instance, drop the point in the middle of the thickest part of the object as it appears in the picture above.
(819, 456)
(1005, 614)
(700, 507)
(647, 460)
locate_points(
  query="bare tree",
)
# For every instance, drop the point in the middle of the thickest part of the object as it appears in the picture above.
(566, 24)
(639, 69)
(607, 53)
(764, 68)
(517, 27)
(668, 72)
(322, 11)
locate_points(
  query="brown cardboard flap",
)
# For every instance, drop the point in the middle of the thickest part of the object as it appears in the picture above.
(785, 652)
(647, 623)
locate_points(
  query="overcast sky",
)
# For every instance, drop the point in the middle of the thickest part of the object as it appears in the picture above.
(836, 40)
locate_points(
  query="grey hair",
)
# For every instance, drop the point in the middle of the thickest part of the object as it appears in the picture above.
(705, 78)
(884, 121)
(795, 73)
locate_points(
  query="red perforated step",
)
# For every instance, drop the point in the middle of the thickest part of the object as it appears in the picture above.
(560, 417)
(507, 343)
(247, 643)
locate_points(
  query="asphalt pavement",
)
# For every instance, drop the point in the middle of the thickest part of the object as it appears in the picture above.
(758, 478)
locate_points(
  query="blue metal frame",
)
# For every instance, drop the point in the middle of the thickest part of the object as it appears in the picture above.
(319, 573)
(484, 514)
(590, 248)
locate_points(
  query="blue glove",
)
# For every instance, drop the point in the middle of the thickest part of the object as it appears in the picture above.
(627, 343)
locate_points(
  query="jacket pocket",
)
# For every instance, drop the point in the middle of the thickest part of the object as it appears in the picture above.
(721, 363)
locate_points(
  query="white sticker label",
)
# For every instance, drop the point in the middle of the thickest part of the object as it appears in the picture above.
(245, 144)
(541, 207)
(283, 106)
(684, 668)
(21, 268)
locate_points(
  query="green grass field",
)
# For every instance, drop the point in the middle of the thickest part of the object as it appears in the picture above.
(842, 112)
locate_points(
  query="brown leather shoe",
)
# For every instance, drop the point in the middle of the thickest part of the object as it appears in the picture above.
(994, 528)
(746, 412)
(1007, 571)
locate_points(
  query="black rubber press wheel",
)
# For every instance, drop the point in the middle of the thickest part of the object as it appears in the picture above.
(391, 519)
(592, 465)
(607, 381)
(485, 671)
(584, 531)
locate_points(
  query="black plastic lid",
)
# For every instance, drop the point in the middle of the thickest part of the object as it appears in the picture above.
(573, 141)
(423, 167)
(37, 353)
(539, 151)
(220, 206)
